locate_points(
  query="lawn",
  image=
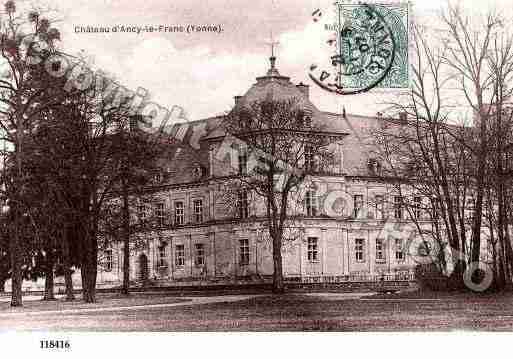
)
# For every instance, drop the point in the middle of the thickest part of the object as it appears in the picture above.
(314, 313)
(267, 312)
(106, 300)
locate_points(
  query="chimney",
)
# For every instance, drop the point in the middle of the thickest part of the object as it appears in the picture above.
(237, 99)
(305, 89)
(403, 116)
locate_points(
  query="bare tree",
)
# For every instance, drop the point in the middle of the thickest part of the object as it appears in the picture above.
(457, 162)
(283, 147)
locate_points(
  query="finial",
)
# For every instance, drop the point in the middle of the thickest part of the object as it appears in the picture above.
(272, 59)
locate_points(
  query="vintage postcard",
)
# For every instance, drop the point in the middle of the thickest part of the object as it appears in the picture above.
(234, 166)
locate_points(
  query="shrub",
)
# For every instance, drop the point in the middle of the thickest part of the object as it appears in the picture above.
(429, 277)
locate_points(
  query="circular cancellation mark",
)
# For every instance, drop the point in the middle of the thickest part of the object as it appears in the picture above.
(366, 49)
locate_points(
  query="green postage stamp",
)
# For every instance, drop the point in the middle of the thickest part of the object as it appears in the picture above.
(368, 47)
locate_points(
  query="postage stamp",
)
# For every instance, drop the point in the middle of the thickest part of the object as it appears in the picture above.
(369, 49)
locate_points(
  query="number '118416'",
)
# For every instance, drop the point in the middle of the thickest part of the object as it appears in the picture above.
(54, 344)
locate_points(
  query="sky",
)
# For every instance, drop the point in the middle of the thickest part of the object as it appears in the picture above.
(203, 72)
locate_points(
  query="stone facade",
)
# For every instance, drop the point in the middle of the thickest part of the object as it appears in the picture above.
(203, 240)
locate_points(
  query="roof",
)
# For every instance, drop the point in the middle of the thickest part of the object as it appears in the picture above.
(192, 138)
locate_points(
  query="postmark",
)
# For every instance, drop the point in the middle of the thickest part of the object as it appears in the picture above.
(368, 48)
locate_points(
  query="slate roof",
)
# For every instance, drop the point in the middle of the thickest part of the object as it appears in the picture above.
(187, 154)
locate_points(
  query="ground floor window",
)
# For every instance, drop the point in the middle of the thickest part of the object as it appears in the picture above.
(199, 259)
(417, 207)
(108, 260)
(161, 259)
(399, 251)
(398, 207)
(359, 249)
(313, 249)
(244, 251)
(179, 255)
(380, 250)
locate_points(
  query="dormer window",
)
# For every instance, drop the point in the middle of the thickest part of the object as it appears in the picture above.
(374, 166)
(197, 172)
(158, 177)
(307, 121)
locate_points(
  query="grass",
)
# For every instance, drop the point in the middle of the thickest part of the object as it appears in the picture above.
(298, 312)
(290, 312)
(109, 300)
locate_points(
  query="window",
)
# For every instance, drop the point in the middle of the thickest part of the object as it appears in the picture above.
(160, 214)
(470, 209)
(179, 214)
(179, 255)
(161, 256)
(199, 258)
(108, 260)
(311, 204)
(374, 166)
(380, 250)
(313, 250)
(417, 207)
(357, 205)
(242, 204)
(379, 203)
(243, 161)
(309, 158)
(141, 212)
(244, 251)
(435, 208)
(398, 207)
(198, 210)
(424, 248)
(359, 249)
(399, 252)
(157, 177)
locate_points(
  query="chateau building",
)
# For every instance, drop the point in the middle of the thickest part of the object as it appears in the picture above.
(203, 237)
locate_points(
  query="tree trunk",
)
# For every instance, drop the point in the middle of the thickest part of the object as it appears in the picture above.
(16, 278)
(88, 284)
(126, 241)
(501, 279)
(49, 276)
(16, 297)
(278, 285)
(89, 268)
(480, 178)
(15, 241)
(84, 278)
(68, 280)
(2, 285)
(509, 253)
